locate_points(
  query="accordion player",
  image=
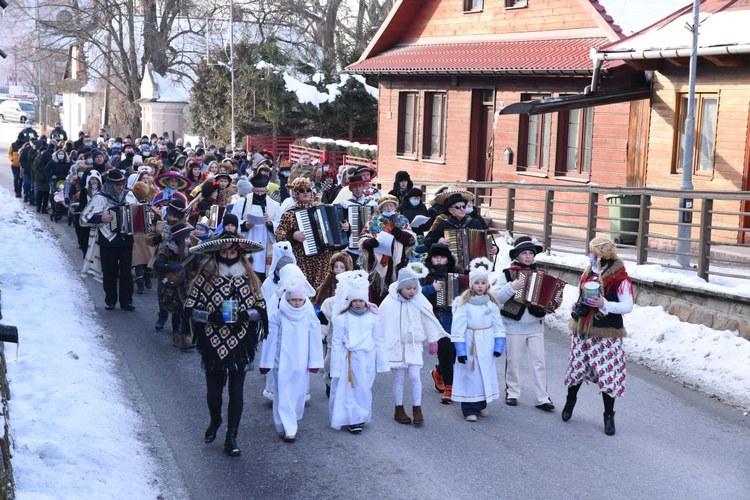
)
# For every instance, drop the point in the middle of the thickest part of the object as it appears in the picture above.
(539, 290)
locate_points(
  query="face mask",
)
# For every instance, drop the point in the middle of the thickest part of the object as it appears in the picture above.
(90, 161)
(28, 125)
(60, 157)
(389, 213)
(89, 144)
(145, 154)
(325, 169)
(259, 197)
(129, 156)
(227, 261)
(414, 202)
(80, 175)
(592, 261)
(469, 209)
(440, 269)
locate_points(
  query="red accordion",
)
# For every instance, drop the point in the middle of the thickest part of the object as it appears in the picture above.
(540, 289)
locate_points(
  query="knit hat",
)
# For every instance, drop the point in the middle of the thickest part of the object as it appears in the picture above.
(201, 227)
(479, 269)
(387, 199)
(413, 193)
(295, 290)
(137, 160)
(180, 231)
(358, 289)
(603, 247)
(524, 243)
(230, 219)
(410, 275)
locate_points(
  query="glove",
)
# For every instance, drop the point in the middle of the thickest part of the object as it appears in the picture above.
(432, 349)
(175, 268)
(314, 370)
(462, 359)
(263, 371)
(499, 346)
(216, 318)
(497, 354)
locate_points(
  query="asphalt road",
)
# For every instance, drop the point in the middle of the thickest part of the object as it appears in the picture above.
(671, 442)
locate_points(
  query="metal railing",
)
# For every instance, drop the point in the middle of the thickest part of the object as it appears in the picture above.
(643, 221)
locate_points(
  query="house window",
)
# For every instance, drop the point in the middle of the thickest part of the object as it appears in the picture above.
(473, 5)
(706, 107)
(534, 141)
(435, 105)
(577, 134)
(408, 114)
(516, 4)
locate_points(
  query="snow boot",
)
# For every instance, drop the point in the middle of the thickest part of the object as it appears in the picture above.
(609, 424)
(230, 443)
(210, 434)
(417, 412)
(447, 399)
(400, 415)
(186, 342)
(438, 380)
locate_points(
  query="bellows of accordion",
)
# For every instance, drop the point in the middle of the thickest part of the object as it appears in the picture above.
(540, 289)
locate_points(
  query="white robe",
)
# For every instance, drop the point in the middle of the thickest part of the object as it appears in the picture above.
(476, 380)
(407, 325)
(357, 353)
(292, 348)
(260, 232)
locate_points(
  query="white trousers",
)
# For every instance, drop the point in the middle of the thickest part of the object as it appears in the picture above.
(516, 346)
(399, 374)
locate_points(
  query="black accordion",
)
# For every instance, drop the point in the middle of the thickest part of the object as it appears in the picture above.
(322, 227)
(454, 284)
(358, 217)
(467, 244)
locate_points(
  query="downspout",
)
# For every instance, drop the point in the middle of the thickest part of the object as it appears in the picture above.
(597, 71)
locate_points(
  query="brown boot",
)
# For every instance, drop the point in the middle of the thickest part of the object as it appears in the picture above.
(418, 418)
(186, 342)
(400, 415)
(446, 400)
(175, 339)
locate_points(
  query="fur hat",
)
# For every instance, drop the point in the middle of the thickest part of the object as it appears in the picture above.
(291, 274)
(402, 175)
(358, 289)
(281, 256)
(387, 199)
(603, 247)
(479, 269)
(295, 290)
(410, 275)
(141, 191)
(300, 183)
(342, 257)
(524, 243)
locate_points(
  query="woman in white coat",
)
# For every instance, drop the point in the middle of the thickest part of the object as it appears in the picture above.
(479, 337)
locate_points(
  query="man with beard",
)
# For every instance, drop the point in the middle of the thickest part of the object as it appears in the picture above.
(116, 249)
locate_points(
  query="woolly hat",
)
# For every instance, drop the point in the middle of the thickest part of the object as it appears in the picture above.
(95, 152)
(603, 247)
(413, 193)
(410, 275)
(479, 269)
(243, 187)
(524, 243)
(137, 160)
(205, 229)
(180, 231)
(358, 289)
(387, 199)
(230, 219)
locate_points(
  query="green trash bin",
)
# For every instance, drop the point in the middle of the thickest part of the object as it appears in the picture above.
(618, 211)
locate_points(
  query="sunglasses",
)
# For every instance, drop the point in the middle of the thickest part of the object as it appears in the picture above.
(305, 191)
(459, 207)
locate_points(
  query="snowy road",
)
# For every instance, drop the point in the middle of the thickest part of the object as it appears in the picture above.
(671, 442)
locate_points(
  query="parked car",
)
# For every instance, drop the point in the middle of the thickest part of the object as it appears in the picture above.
(16, 111)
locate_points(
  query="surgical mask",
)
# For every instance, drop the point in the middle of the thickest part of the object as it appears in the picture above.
(90, 161)
(592, 261)
(389, 213)
(89, 144)
(60, 157)
(469, 209)
(414, 201)
(80, 175)
(145, 154)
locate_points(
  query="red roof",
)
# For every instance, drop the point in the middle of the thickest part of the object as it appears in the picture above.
(554, 56)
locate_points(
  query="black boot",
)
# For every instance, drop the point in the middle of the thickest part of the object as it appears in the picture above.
(609, 424)
(210, 435)
(230, 443)
(567, 411)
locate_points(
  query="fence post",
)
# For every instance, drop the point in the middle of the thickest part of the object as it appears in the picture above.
(704, 243)
(510, 212)
(549, 202)
(591, 219)
(644, 217)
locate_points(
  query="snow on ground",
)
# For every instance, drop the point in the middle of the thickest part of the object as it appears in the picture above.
(73, 433)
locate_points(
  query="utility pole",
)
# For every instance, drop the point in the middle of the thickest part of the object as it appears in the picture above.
(686, 217)
(231, 63)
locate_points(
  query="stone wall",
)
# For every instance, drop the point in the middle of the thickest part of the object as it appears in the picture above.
(716, 310)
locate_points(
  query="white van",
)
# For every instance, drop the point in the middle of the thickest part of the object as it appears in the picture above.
(16, 111)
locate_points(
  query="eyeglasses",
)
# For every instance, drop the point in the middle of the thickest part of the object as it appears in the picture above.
(305, 191)
(459, 207)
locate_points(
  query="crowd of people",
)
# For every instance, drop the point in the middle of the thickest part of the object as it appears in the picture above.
(237, 270)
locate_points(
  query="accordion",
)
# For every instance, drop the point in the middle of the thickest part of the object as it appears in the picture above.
(322, 227)
(454, 284)
(358, 217)
(215, 216)
(134, 218)
(467, 244)
(539, 289)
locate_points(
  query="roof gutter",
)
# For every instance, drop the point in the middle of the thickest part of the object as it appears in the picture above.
(464, 72)
(634, 55)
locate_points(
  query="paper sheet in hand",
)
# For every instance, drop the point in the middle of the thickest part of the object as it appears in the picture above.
(385, 244)
(419, 221)
(255, 220)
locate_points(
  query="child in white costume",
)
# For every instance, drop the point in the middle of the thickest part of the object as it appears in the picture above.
(357, 353)
(479, 337)
(407, 322)
(293, 349)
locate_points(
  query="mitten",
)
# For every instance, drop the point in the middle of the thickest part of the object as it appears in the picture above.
(499, 346)
(314, 370)
(216, 318)
(263, 371)
(432, 349)
(462, 359)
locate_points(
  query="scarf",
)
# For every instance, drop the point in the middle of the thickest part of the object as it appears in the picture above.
(110, 191)
(479, 300)
(294, 315)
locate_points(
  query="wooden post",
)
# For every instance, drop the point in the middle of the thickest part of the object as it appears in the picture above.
(704, 243)
(549, 202)
(643, 219)
(510, 212)
(591, 220)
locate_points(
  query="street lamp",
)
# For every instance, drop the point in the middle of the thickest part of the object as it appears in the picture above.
(231, 61)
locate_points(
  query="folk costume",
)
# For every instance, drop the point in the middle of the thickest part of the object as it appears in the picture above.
(357, 354)
(478, 336)
(385, 248)
(524, 332)
(162, 199)
(596, 352)
(407, 325)
(227, 348)
(293, 349)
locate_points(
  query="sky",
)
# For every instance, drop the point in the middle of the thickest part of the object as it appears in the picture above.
(75, 434)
